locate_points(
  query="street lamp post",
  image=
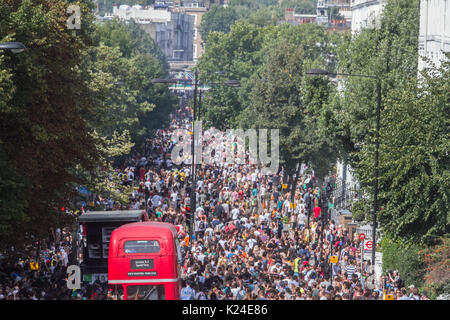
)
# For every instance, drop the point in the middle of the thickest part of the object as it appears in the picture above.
(14, 47)
(318, 72)
(193, 204)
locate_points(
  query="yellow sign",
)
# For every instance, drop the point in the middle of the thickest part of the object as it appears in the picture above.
(34, 266)
(389, 297)
(284, 186)
(333, 259)
(293, 205)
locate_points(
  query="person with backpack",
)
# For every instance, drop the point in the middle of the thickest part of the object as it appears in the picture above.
(201, 227)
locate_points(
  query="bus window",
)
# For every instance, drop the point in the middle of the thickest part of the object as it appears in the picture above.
(141, 246)
(141, 292)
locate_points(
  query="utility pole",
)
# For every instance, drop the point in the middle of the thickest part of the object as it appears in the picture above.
(374, 210)
(193, 178)
(375, 191)
(362, 263)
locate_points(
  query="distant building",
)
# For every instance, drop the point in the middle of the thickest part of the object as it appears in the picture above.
(172, 31)
(366, 13)
(195, 8)
(295, 19)
(323, 15)
(434, 32)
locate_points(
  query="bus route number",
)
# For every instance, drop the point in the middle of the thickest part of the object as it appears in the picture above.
(246, 309)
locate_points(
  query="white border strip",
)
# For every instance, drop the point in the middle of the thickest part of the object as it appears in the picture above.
(141, 281)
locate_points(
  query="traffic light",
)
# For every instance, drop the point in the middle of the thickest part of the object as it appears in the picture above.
(188, 214)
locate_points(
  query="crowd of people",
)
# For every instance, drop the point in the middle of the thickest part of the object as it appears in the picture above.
(249, 241)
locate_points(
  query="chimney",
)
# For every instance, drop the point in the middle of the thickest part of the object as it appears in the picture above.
(289, 14)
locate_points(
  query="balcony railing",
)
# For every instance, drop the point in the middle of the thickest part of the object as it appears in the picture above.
(344, 197)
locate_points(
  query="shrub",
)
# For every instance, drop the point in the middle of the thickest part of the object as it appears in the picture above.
(406, 259)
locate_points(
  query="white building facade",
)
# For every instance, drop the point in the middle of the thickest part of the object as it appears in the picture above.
(172, 32)
(366, 13)
(434, 32)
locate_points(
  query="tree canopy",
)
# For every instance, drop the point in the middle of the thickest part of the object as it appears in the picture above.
(42, 132)
(414, 159)
(63, 116)
(219, 19)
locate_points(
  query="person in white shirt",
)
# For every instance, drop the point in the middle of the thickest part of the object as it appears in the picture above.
(263, 191)
(235, 213)
(209, 232)
(226, 206)
(251, 243)
(222, 242)
(301, 219)
(286, 206)
(268, 216)
(262, 218)
(174, 197)
(199, 212)
(130, 175)
(254, 176)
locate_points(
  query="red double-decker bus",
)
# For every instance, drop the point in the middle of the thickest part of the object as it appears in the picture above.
(144, 260)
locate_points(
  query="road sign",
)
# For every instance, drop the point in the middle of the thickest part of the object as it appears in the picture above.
(368, 245)
(362, 236)
(333, 259)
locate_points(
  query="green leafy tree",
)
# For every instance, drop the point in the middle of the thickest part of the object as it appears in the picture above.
(219, 19)
(43, 134)
(263, 16)
(307, 138)
(126, 107)
(389, 51)
(245, 8)
(104, 180)
(300, 6)
(406, 259)
(236, 55)
(414, 159)
(126, 54)
(286, 100)
(130, 38)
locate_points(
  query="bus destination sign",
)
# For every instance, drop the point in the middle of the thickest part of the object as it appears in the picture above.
(141, 263)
